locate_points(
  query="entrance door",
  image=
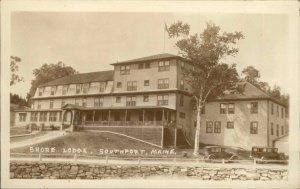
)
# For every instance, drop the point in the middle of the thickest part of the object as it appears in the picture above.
(68, 118)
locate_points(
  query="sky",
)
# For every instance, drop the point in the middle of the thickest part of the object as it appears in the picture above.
(91, 41)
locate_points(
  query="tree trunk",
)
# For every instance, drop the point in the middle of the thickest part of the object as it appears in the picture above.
(197, 134)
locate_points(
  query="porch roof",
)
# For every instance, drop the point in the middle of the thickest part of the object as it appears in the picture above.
(71, 106)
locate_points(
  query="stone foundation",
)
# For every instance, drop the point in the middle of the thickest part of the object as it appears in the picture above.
(43, 170)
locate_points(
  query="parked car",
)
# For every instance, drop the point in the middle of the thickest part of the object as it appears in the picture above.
(266, 153)
(218, 152)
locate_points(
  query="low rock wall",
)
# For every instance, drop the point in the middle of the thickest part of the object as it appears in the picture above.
(43, 170)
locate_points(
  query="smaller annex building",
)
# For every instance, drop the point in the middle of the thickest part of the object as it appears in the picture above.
(147, 99)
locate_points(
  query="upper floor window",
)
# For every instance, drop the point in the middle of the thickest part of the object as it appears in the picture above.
(78, 88)
(51, 104)
(181, 100)
(65, 89)
(63, 102)
(22, 117)
(147, 65)
(141, 66)
(102, 86)
(254, 107)
(277, 130)
(163, 83)
(118, 99)
(146, 98)
(86, 87)
(77, 101)
(230, 125)
(41, 90)
(131, 86)
(162, 100)
(209, 127)
(39, 105)
(282, 112)
(98, 101)
(125, 70)
(272, 129)
(182, 115)
(53, 88)
(223, 108)
(231, 108)
(181, 84)
(119, 84)
(146, 82)
(84, 102)
(217, 127)
(272, 109)
(163, 66)
(130, 101)
(277, 111)
(43, 116)
(253, 127)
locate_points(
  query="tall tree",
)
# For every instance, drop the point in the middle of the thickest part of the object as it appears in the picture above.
(209, 75)
(16, 99)
(14, 68)
(48, 72)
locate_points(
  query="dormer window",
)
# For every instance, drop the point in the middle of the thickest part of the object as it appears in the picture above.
(78, 88)
(125, 70)
(53, 88)
(163, 66)
(86, 87)
(102, 86)
(65, 89)
(41, 90)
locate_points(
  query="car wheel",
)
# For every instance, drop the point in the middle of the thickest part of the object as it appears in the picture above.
(211, 157)
(281, 156)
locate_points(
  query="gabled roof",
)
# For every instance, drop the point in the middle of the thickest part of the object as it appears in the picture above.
(149, 58)
(249, 91)
(82, 78)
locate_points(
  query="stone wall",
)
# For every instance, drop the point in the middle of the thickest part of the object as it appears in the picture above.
(43, 170)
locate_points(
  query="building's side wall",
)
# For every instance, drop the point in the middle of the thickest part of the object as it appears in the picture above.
(240, 135)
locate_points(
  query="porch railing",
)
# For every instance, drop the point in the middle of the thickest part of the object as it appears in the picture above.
(124, 123)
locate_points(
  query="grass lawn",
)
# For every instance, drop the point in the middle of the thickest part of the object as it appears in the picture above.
(18, 131)
(17, 139)
(91, 141)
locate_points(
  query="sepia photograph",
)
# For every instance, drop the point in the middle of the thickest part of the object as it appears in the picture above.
(100, 93)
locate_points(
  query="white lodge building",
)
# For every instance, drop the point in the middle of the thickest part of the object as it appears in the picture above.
(146, 98)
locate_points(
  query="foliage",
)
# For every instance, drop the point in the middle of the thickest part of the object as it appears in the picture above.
(49, 72)
(208, 75)
(14, 68)
(16, 99)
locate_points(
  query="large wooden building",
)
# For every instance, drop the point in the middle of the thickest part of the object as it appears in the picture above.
(147, 99)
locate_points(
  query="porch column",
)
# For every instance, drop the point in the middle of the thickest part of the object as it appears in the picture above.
(143, 116)
(163, 115)
(108, 115)
(125, 116)
(93, 117)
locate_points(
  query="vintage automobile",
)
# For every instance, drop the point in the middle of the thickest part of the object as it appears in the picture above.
(266, 153)
(218, 152)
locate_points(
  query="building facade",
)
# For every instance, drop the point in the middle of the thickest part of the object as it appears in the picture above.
(147, 98)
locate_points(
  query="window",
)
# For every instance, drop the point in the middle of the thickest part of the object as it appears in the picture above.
(272, 109)
(33, 116)
(98, 102)
(163, 66)
(22, 117)
(51, 104)
(217, 127)
(272, 129)
(43, 116)
(181, 100)
(146, 98)
(209, 127)
(277, 130)
(231, 108)
(282, 113)
(118, 99)
(163, 83)
(86, 87)
(65, 89)
(181, 84)
(140, 66)
(146, 82)
(60, 116)
(77, 101)
(53, 88)
(230, 125)
(119, 84)
(282, 130)
(277, 111)
(63, 102)
(52, 116)
(253, 127)
(78, 88)
(125, 70)
(41, 90)
(223, 108)
(131, 86)
(254, 107)
(162, 100)
(182, 115)
(147, 65)
(130, 101)
(102, 87)
(39, 104)
(84, 102)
